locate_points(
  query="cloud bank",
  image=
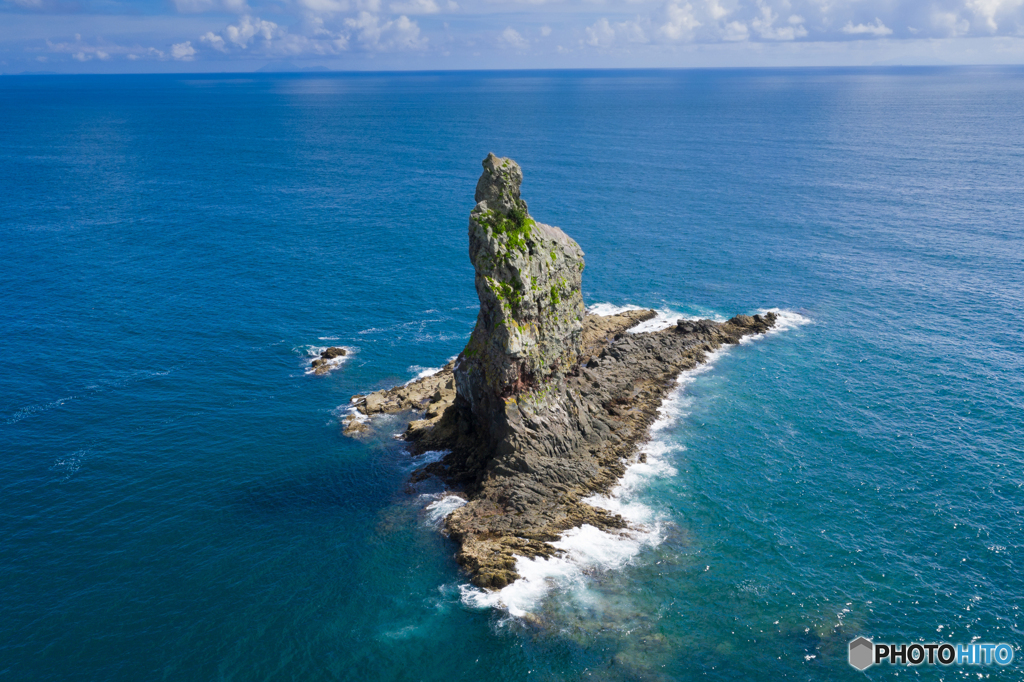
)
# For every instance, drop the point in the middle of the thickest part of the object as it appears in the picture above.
(470, 33)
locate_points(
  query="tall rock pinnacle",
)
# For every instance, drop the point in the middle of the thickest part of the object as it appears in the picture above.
(528, 276)
(548, 405)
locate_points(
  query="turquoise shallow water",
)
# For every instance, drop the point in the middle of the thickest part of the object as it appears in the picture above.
(177, 500)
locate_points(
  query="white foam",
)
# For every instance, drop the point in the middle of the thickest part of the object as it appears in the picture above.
(785, 320)
(313, 352)
(665, 318)
(584, 550)
(440, 507)
(431, 456)
(32, 409)
(422, 372)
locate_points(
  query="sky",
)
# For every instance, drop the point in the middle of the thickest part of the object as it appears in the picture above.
(195, 36)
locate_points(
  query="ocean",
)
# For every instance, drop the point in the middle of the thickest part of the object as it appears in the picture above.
(177, 500)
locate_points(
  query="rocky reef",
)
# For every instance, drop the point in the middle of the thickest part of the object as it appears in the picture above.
(325, 362)
(546, 404)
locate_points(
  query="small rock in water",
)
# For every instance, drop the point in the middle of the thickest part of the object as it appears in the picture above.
(333, 352)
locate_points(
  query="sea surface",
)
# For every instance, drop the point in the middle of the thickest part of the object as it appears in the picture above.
(177, 500)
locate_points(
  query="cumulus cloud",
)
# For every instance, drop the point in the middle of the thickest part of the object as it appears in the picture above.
(512, 38)
(735, 31)
(876, 29)
(242, 33)
(715, 10)
(680, 22)
(988, 9)
(214, 41)
(600, 34)
(84, 51)
(765, 26)
(606, 34)
(183, 51)
(950, 23)
(255, 35)
(329, 27)
(383, 36)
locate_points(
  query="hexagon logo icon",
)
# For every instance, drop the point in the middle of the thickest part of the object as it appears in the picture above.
(862, 653)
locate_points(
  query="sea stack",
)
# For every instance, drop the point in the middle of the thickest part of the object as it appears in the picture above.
(549, 403)
(529, 331)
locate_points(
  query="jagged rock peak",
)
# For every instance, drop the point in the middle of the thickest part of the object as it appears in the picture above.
(498, 185)
(528, 281)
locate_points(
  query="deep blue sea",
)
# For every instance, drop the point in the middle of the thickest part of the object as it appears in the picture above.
(177, 500)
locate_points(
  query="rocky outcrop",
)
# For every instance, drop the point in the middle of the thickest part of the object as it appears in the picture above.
(548, 403)
(432, 394)
(323, 364)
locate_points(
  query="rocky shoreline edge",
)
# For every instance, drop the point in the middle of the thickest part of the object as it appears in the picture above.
(546, 405)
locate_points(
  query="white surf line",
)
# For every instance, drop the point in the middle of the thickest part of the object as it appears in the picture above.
(665, 318)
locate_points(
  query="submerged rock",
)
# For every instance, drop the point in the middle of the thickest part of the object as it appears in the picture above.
(545, 404)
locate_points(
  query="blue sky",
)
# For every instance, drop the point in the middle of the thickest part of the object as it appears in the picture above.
(116, 36)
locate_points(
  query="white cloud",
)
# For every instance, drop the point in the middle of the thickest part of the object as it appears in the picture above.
(183, 51)
(735, 31)
(875, 29)
(328, 27)
(415, 7)
(764, 24)
(715, 10)
(680, 22)
(605, 34)
(988, 9)
(397, 34)
(950, 23)
(214, 41)
(512, 38)
(242, 33)
(84, 52)
(600, 34)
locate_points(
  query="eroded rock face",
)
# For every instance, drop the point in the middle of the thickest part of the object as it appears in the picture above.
(529, 329)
